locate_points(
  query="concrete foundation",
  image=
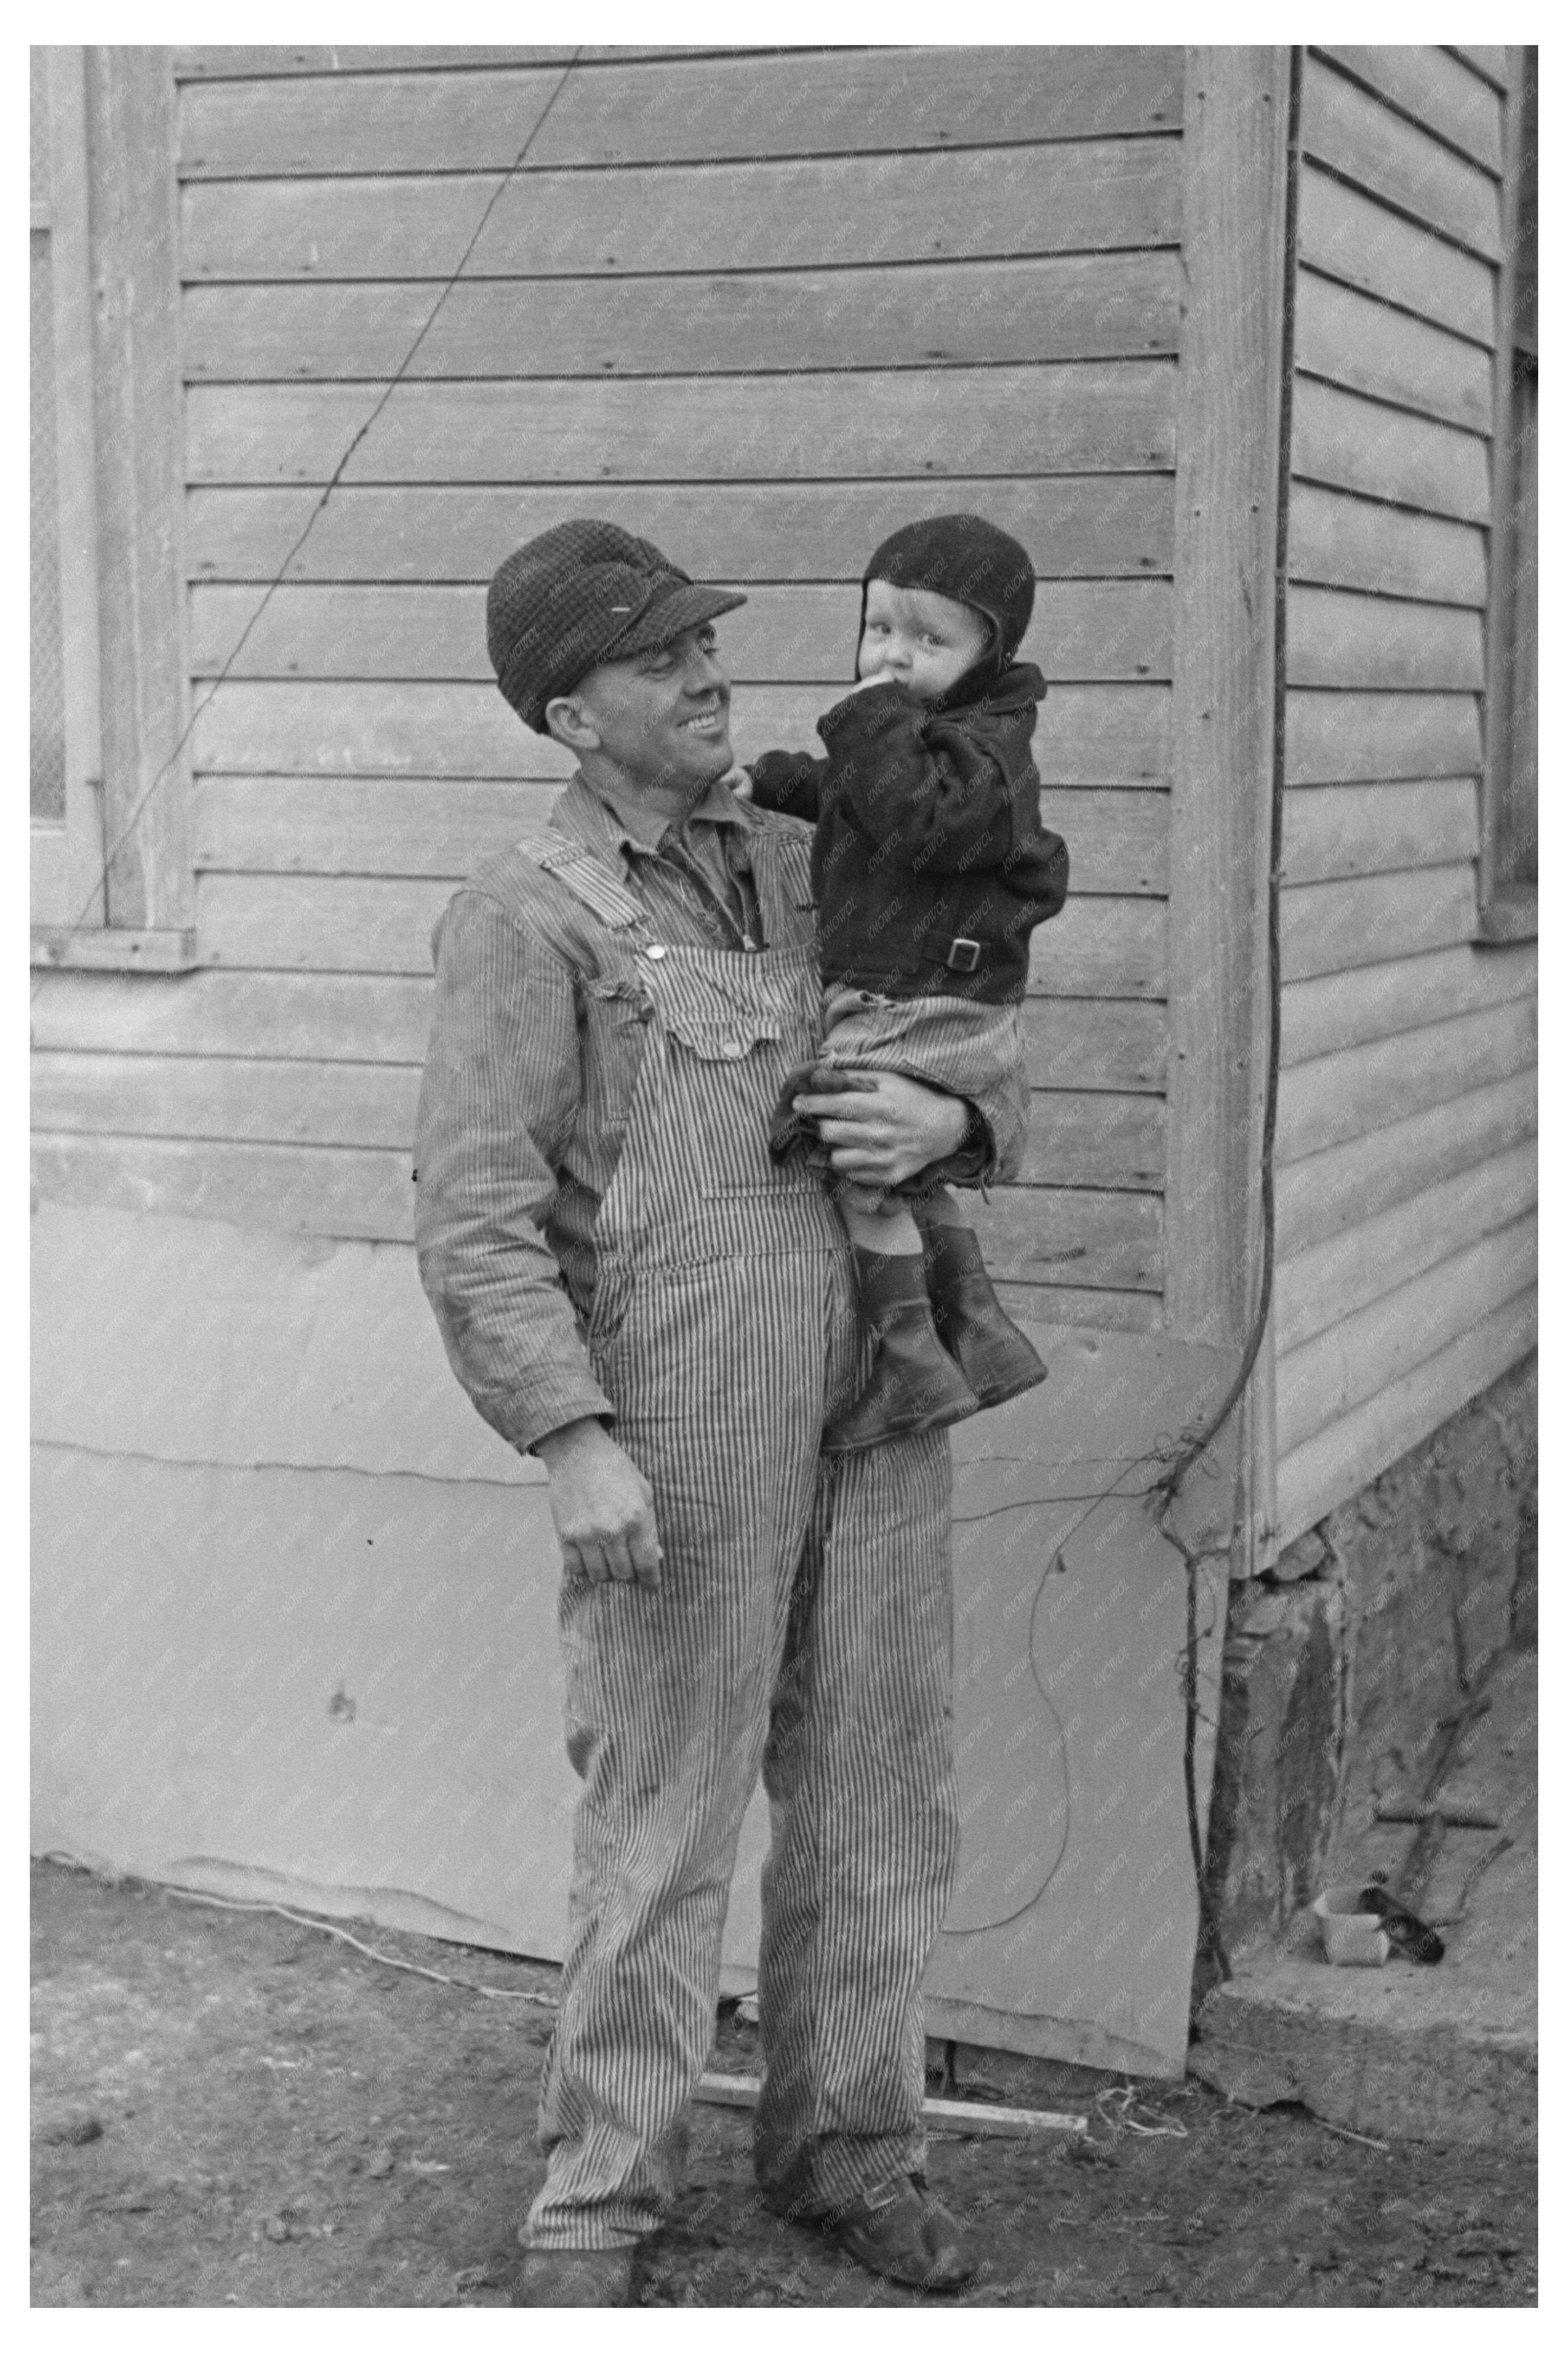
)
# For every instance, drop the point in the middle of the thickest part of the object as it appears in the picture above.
(1388, 1662)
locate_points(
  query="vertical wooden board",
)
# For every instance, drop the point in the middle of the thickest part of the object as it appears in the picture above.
(1343, 542)
(1369, 346)
(1228, 464)
(1089, 196)
(1353, 134)
(1078, 526)
(1111, 415)
(144, 688)
(1352, 444)
(1354, 238)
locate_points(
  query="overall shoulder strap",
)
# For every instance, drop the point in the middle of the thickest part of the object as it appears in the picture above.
(586, 876)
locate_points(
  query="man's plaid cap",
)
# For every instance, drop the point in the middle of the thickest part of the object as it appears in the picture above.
(581, 593)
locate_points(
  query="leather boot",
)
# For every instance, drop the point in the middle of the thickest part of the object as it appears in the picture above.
(914, 1384)
(990, 1352)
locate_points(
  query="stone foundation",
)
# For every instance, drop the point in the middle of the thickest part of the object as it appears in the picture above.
(1346, 1663)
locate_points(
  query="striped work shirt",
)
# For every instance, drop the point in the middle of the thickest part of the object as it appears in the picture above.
(527, 1089)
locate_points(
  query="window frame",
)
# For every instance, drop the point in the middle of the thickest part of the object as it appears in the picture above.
(66, 853)
(1507, 908)
(128, 632)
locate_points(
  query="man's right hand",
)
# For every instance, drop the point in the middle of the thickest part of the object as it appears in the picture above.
(601, 1506)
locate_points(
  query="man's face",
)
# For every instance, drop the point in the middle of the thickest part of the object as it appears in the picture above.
(663, 717)
(924, 642)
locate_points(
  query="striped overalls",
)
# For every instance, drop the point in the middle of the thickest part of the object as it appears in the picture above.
(803, 1627)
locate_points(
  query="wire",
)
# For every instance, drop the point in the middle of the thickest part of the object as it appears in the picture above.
(113, 850)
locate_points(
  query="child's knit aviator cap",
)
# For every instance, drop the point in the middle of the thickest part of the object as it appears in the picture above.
(966, 558)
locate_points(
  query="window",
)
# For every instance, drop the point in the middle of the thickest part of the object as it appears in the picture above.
(67, 797)
(1509, 872)
(111, 779)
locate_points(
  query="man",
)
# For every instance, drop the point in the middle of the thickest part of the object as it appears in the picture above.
(630, 1288)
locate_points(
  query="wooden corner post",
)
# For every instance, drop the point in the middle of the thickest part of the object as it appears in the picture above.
(140, 436)
(1230, 380)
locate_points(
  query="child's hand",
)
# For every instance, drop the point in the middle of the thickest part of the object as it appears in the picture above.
(878, 678)
(739, 781)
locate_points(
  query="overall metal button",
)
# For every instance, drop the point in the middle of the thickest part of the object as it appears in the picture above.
(732, 1050)
(654, 953)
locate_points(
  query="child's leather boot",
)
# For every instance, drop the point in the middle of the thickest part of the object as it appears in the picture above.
(914, 1384)
(992, 1354)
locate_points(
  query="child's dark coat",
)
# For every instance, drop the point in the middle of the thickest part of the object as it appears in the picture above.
(931, 866)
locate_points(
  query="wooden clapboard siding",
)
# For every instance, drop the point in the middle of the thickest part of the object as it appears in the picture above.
(1085, 735)
(1432, 89)
(1360, 1088)
(1096, 947)
(1349, 1183)
(1328, 927)
(1339, 540)
(1353, 237)
(285, 825)
(702, 110)
(1319, 1287)
(1347, 1009)
(1370, 347)
(1081, 629)
(1354, 134)
(1341, 637)
(1334, 832)
(1093, 196)
(1082, 526)
(1105, 1141)
(1090, 417)
(1354, 444)
(1077, 306)
(1356, 736)
(762, 308)
(1313, 1478)
(1056, 1242)
(1110, 1045)
(1405, 1177)
(1326, 1377)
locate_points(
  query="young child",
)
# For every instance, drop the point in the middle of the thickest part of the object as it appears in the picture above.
(931, 870)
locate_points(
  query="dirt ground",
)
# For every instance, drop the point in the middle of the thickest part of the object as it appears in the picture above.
(232, 2109)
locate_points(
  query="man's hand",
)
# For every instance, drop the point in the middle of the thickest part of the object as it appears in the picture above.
(889, 1132)
(602, 1505)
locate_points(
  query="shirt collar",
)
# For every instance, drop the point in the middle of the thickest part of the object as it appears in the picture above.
(619, 820)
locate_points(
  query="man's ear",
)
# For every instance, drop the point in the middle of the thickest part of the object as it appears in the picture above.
(570, 723)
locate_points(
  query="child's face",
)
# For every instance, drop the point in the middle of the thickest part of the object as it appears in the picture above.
(924, 642)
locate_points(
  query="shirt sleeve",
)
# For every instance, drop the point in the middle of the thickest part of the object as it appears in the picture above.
(896, 771)
(500, 1093)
